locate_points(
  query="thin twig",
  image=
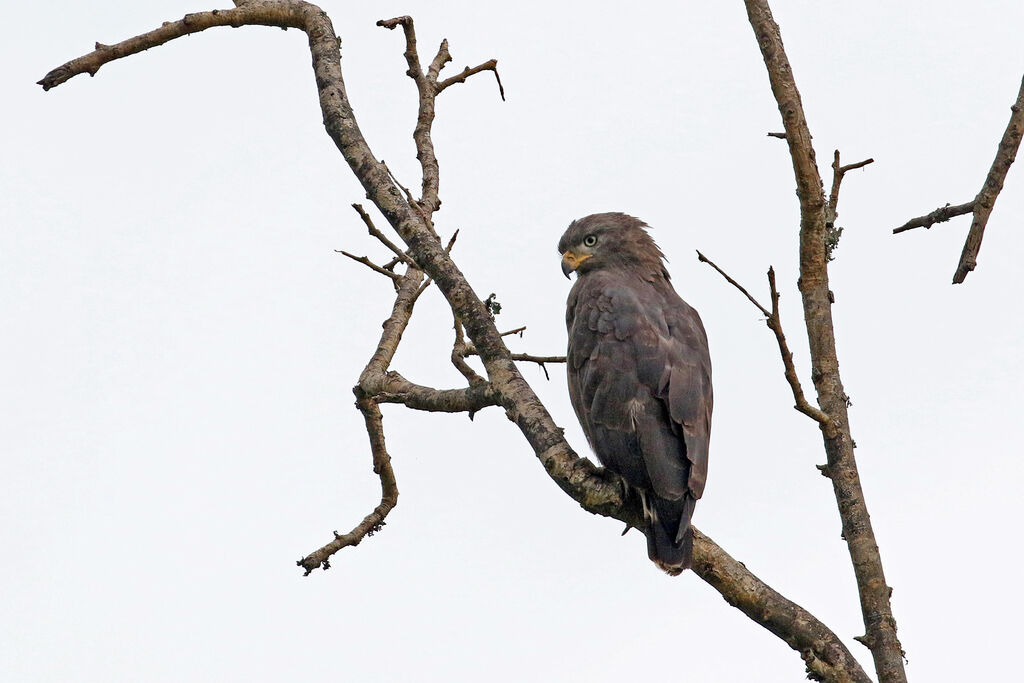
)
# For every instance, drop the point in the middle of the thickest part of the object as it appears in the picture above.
(775, 323)
(832, 212)
(704, 259)
(518, 330)
(399, 253)
(451, 242)
(371, 265)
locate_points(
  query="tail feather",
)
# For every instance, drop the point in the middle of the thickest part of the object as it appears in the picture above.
(669, 534)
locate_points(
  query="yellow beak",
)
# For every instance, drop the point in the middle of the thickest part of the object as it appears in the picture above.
(572, 261)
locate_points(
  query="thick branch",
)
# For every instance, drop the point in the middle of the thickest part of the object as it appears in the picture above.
(986, 199)
(826, 657)
(842, 468)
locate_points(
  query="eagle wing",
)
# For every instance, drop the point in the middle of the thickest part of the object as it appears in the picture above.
(640, 382)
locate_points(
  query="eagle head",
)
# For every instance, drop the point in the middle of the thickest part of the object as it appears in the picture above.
(610, 240)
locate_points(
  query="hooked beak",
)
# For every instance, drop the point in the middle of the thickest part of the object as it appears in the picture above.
(571, 261)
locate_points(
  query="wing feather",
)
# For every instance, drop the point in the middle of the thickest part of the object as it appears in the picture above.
(640, 382)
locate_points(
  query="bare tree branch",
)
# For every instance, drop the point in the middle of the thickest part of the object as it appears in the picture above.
(704, 259)
(939, 215)
(459, 353)
(986, 199)
(489, 65)
(365, 260)
(982, 204)
(838, 172)
(374, 521)
(826, 657)
(774, 321)
(598, 491)
(400, 255)
(879, 623)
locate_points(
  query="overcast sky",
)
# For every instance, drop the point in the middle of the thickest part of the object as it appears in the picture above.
(180, 341)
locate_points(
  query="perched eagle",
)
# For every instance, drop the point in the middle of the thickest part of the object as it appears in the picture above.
(639, 375)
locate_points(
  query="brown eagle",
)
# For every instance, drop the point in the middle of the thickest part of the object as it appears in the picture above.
(639, 375)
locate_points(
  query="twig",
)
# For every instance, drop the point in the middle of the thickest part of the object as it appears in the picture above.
(704, 259)
(833, 233)
(451, 242)
(781, 136)
(939, 215)
(489, 65)
(371, 265)
(774, 321)
(518, 330)
(399, 253)
(832, 212)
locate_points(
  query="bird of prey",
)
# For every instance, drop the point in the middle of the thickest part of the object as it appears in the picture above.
(639, 375)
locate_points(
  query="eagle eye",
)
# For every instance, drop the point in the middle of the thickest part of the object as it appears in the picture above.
(590, 240)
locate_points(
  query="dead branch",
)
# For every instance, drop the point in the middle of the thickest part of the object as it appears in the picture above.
(832, 212)
(374, 521)
(460, 349)
(939, 215)
(825, 656)
(983, 203)
(400, 255)
(774, 321)
(879, 623)
(489, 65)
(597, 490)
(704, 259)
(365, 260)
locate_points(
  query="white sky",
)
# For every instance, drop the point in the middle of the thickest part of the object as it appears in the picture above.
(180, 341)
